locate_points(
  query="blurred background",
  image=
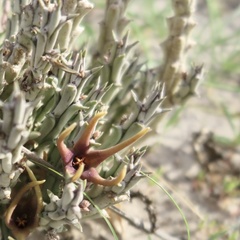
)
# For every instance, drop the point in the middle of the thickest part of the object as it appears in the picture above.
(196, 153)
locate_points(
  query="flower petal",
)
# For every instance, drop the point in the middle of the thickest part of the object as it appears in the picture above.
(79, 172)
(82, 145)
(65, 152)
(20, 232)
(94, 157)
(93, 176)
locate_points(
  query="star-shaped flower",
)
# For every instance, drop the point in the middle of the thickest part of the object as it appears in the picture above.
(81, 161)
(22, 215)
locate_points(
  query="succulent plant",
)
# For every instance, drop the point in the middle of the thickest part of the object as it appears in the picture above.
(67, 119)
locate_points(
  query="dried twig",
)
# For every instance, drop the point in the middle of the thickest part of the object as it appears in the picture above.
(139, 224)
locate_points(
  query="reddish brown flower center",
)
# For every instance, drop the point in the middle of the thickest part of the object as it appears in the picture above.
(21, 222)
(76, 162)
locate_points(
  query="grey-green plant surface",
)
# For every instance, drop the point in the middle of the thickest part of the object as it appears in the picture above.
(68, 116)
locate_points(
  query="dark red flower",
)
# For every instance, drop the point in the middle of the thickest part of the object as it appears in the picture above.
(81, 161)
